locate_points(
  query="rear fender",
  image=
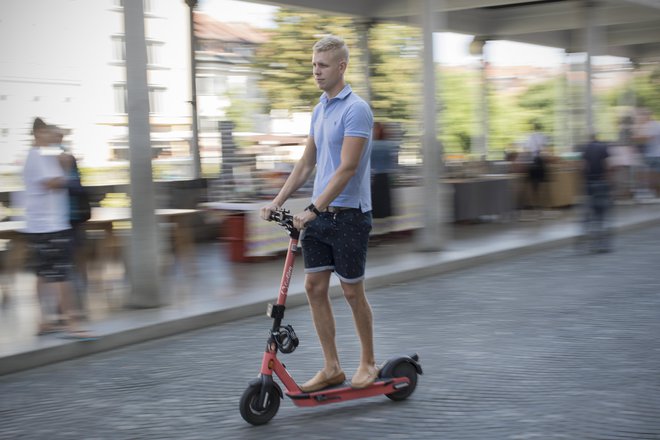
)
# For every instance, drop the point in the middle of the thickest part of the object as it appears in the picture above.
(387, 370)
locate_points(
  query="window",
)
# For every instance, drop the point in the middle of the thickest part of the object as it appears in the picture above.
(205, 86)
(154, 49)
(118, 48)
(147, 4)
(156, 99)
(120, 98)
(156, 94)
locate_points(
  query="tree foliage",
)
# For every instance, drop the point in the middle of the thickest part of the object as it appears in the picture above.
(395, 66)
(396, 84)
(285, 61)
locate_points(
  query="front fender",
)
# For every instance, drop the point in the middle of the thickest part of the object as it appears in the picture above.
(268, 381)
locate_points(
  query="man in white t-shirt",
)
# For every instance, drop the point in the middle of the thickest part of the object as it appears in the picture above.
(48, 230)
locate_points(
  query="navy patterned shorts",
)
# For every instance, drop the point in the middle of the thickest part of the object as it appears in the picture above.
(51, 254)
(338, 242)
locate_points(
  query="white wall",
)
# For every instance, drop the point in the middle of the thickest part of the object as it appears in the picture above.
(56, 61)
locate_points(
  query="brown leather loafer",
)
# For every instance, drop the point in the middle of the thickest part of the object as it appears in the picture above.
(364, 378)
(321, 380)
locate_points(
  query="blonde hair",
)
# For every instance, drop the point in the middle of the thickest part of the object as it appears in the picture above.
(332, 42)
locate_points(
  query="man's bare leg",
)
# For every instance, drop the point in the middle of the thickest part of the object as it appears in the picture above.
(363, 317)
(316, 285)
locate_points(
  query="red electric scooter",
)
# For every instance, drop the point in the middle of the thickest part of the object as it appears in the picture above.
(397, 379)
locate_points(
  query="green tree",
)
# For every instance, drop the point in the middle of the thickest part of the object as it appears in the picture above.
(646, 86)
(285, 61)
(395, 66)
(457, 97)
(285, 65)
(539, 103)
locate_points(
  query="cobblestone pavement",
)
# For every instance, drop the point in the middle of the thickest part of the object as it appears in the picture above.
(556, 345)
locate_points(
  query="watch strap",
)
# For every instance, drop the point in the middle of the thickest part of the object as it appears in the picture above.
(313, 208)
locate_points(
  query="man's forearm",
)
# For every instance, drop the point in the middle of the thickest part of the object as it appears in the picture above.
(298, 177)
(335, 186)
(56, 182)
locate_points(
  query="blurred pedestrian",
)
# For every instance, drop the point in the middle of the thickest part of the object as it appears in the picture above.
(338, 221)
(79, 213)
(535, 156)
(48, 231)
(383, 164)
(597, 179)
(649, 138)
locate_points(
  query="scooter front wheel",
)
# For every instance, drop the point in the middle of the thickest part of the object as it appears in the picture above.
(254, 413)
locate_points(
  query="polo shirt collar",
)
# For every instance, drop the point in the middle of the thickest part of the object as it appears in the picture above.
(341, 95)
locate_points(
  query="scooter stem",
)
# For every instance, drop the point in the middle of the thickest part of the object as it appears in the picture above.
(287, 273)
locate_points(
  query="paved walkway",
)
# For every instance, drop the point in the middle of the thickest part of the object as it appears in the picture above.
(553, 344)
(217, 291)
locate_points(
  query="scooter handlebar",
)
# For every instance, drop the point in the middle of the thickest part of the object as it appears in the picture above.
(283, 218)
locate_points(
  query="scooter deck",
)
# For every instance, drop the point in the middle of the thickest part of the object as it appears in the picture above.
(343, 392)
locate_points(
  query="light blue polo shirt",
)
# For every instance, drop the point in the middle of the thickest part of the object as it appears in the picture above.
(344, 115)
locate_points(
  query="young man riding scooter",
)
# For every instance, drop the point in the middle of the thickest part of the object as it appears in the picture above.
(337, 223)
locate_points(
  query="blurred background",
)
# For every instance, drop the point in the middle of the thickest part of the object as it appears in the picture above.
(230, 106)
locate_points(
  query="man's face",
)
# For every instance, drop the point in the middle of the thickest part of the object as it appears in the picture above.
(43, 136)
(328, 69)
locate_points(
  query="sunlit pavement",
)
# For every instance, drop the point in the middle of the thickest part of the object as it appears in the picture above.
(555, 344)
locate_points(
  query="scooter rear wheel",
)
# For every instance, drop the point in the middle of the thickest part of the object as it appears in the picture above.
(250, 409)
(404, 369)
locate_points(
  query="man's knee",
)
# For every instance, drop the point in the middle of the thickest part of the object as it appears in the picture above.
(353, 292)
(316, 285)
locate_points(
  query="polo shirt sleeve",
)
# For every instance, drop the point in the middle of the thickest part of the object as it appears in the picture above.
(359, 120)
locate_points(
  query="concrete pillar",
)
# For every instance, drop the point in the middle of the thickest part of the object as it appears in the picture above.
(431, 236)
(194, 142)
(590, 47)
(480, 137)
(483, 150)
(562, 133)
(142, 261)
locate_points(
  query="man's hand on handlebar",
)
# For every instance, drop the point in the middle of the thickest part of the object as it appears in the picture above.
(302, 218)
(267, 210)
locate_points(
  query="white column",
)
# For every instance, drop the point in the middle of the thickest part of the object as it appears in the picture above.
(484, 107)
(590, 46)
(194, 142)
(480, 137)
(430, 237)
(562, 135)
(142, 247)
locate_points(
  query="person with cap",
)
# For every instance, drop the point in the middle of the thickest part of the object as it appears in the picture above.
(48, 232)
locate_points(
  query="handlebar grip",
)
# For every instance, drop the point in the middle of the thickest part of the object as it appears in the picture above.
(280, 215)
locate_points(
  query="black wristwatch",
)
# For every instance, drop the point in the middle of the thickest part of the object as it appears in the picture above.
(312, 208)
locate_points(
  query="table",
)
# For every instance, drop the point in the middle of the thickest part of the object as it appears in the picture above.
(105, 218)
(560, 190)
(487, 195)
(250, 237)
